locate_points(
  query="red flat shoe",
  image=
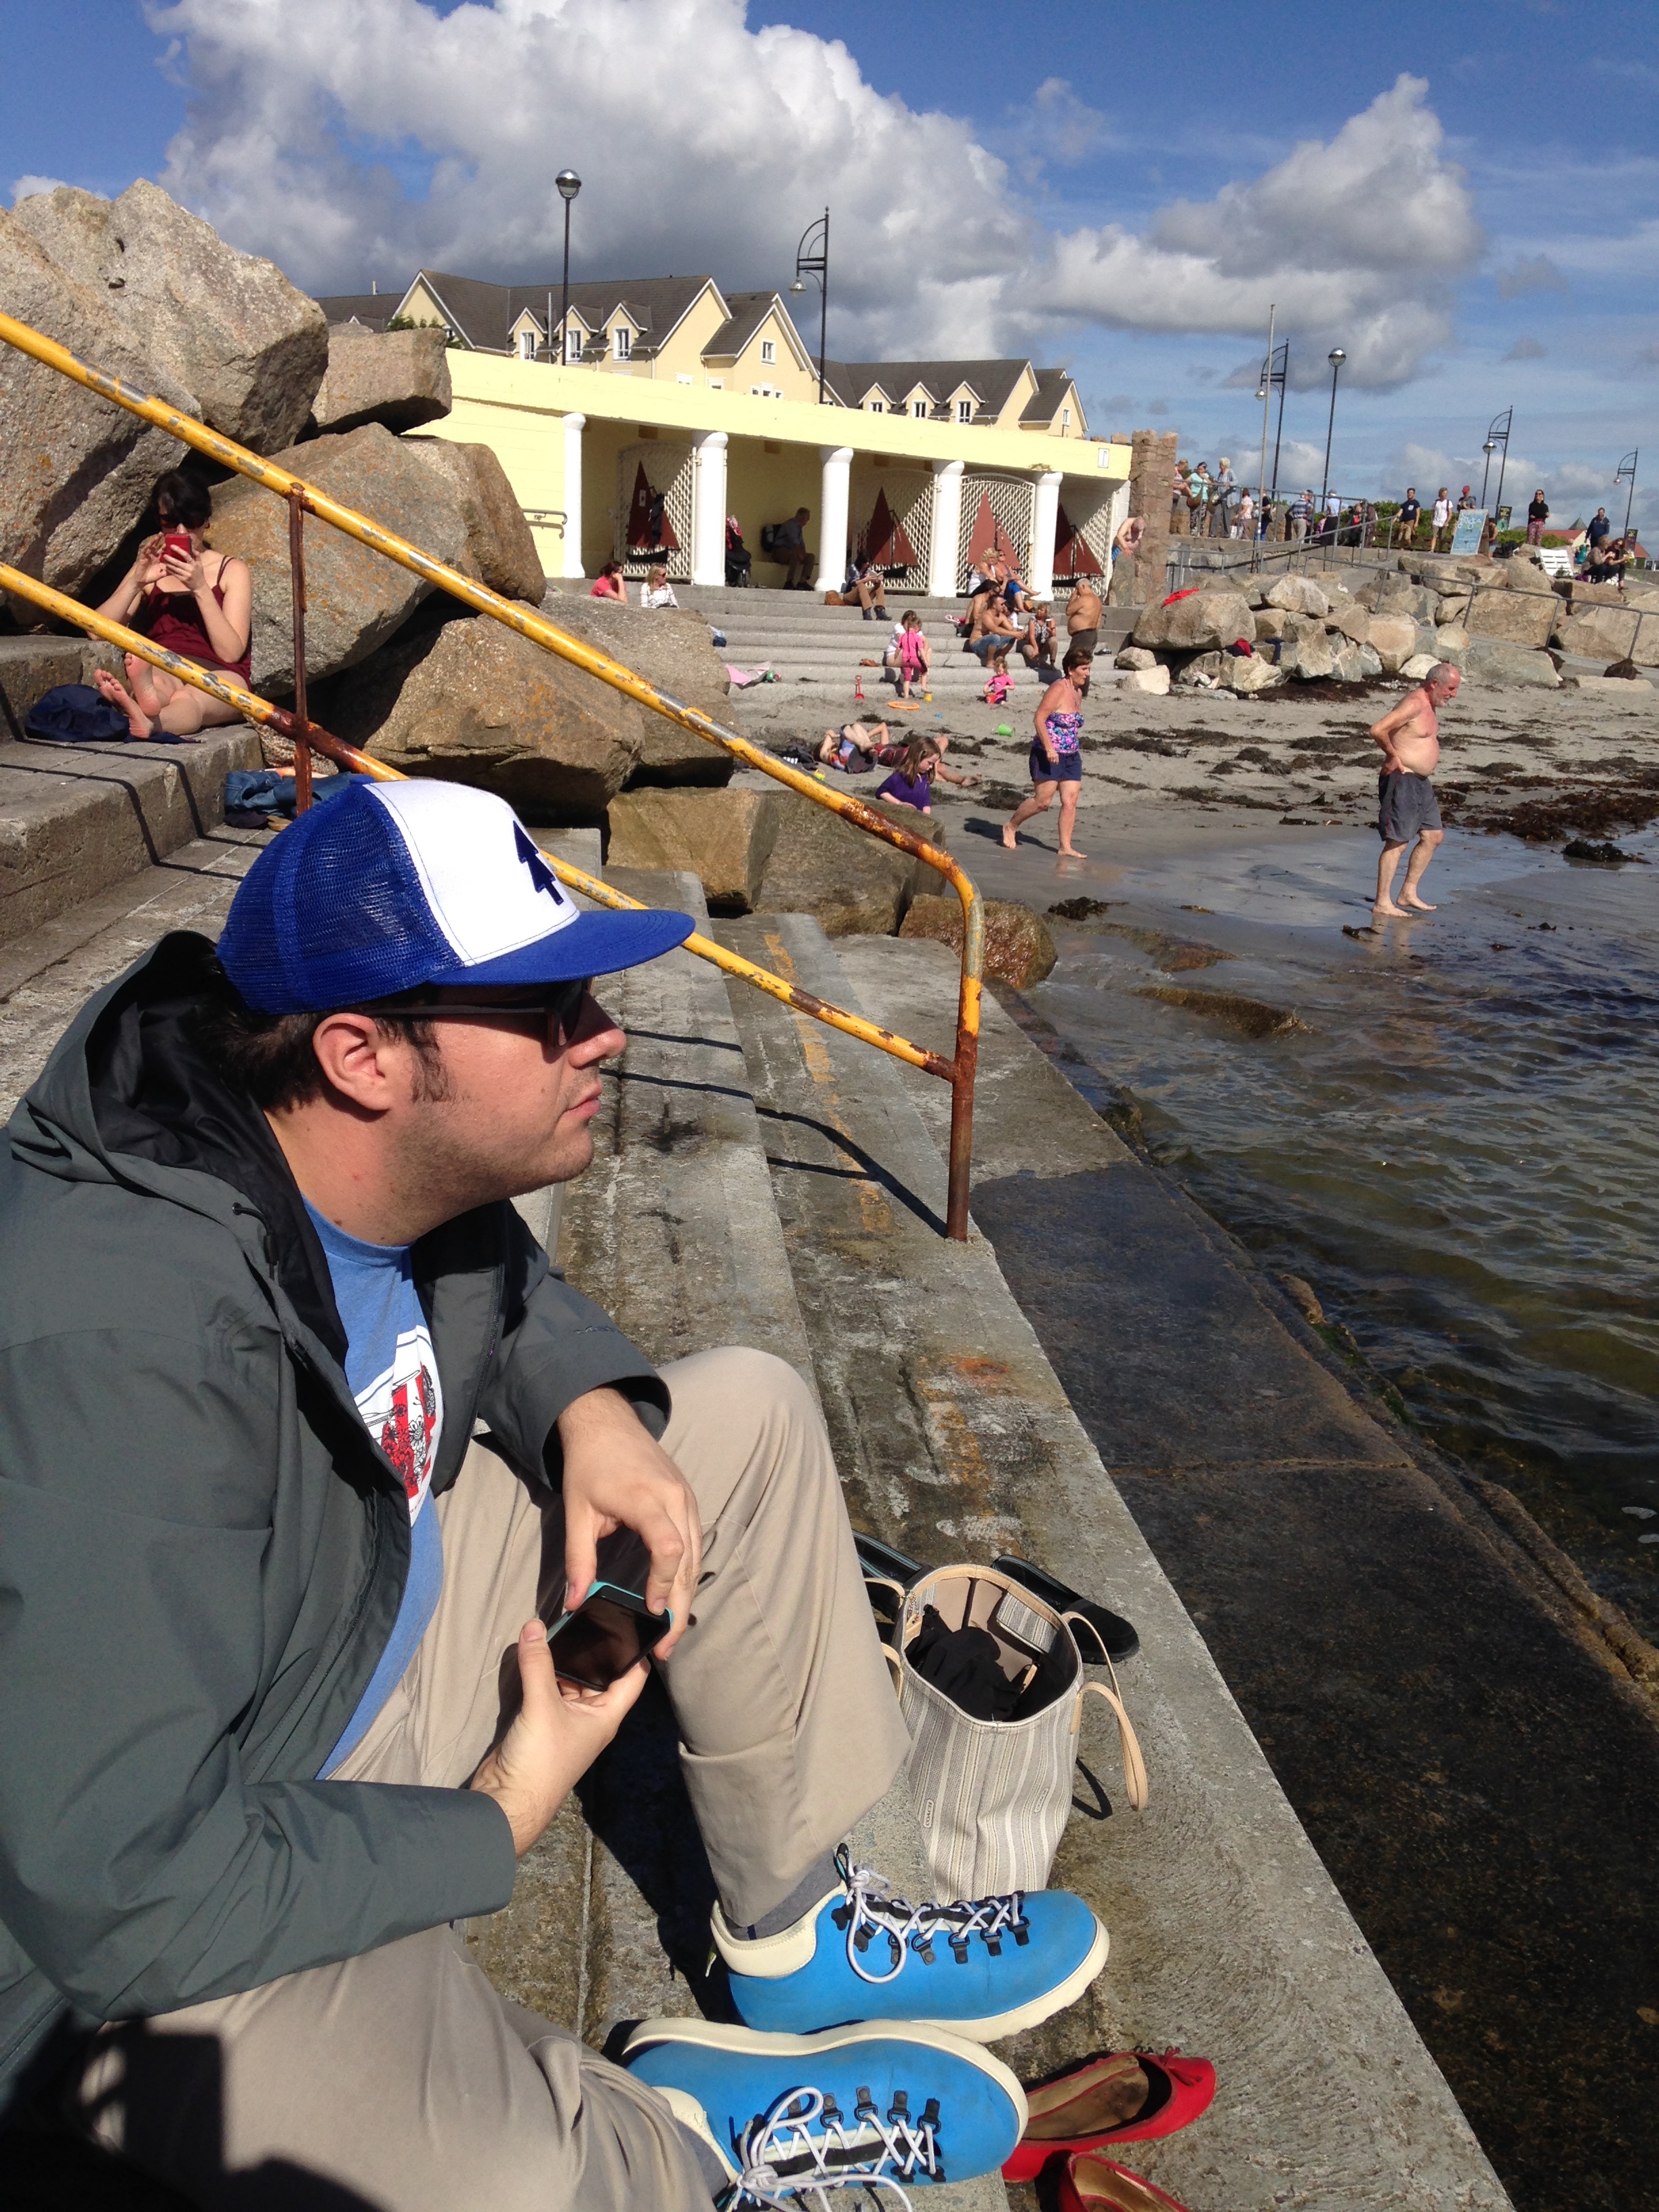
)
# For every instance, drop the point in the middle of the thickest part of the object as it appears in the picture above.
(1121, 2096)
(1094, 2184)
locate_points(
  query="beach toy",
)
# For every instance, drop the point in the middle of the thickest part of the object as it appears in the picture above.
(858, 685)
(1004, 729)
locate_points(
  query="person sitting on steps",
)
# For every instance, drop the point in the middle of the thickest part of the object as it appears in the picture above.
(866, 588)
(198, 604)
(789, 551)
(281, 1713)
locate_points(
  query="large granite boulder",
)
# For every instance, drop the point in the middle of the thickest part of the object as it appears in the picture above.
(671, 647)
(501, 549)
(355, 600)
(854, 884)
(1197, 624)
(1394, 594)
(1347, 659)
(1394, 639)
(1353, 620)
(1255, 672)
(1311, 653)
(400, 377)
(1516, 617)
(726, 837)
(1520, 574)
(1018, 948)
(1154, 680)
(1503, 660)
(1605, 632)
(76, 471)
(465, 698)
(1296, 595)
(226, 325)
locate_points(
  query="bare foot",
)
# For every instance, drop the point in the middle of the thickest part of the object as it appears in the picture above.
(1009, 836)
(119, 697)
(1394, 913)
(1071, 853)
(1416, 904)
(143, 686)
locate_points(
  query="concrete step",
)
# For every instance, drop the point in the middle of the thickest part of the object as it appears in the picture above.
(955, 1439)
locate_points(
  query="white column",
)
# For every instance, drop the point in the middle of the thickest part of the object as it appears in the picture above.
(574, 427)
(1045, 522)
(832, 517)
(708, 506)
(946, 530)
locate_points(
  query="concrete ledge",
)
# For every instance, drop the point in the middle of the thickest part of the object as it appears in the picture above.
(75, 819)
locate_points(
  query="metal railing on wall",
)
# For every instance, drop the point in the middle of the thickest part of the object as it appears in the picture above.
(302, 499)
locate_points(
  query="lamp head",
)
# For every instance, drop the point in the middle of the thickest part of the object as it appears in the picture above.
(798, 286)
(1336, 356)
(1490, 447)
(1262, 392)
(569, 184)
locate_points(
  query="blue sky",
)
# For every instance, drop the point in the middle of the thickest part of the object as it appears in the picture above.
(1123, 202)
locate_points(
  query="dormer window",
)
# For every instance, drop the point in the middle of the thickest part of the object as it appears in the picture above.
(964, 410)
(622, 342)
(1064, 418)
(878, 406)
(573, 342)
(527, 346)
(768, 352)
(918, 409)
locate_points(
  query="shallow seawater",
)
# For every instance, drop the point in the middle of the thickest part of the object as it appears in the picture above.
(1459, 1150)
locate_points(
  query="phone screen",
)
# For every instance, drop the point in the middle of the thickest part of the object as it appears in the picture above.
(599, 1642)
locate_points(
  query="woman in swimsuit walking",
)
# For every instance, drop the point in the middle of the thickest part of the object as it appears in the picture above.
(196, 603)
(1056, 760)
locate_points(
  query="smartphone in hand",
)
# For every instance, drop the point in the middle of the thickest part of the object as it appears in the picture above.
(613, 1628)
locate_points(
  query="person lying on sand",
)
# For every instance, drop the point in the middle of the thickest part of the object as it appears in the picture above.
(1409, 735)
(850, 747)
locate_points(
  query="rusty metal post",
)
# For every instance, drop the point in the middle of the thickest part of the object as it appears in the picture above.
(296, 567)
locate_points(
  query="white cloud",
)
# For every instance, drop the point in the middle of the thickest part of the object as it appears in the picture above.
(1571, 489)
(1067, 128)
(1540, 274)
(25, 188)
(357, 138)
(1525, 348)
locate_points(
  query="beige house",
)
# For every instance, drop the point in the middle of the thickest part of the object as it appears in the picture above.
(675, 329)
(1006, 395)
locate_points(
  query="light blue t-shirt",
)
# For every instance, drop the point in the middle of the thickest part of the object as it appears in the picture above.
(393, 1376)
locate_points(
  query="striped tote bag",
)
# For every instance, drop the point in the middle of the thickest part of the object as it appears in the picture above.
(994, 1797)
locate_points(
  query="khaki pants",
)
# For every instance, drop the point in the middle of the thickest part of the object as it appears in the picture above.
(400, 2080)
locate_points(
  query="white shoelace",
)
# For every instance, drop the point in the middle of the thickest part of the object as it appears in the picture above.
(795, 2129)
(869, 1906)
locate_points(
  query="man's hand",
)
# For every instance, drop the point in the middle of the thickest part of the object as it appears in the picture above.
(558, 1732)
(616, 1476)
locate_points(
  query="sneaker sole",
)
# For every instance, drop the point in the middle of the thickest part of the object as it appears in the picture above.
(716, 2035)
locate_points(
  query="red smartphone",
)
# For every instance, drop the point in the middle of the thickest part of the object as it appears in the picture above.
(176, 541)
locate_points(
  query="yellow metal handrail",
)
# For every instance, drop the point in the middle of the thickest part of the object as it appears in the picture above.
(303, 497)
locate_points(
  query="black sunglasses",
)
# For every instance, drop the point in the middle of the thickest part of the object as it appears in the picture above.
(557, 1009)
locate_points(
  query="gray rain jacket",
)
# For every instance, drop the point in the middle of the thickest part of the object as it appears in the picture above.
(202, 1551)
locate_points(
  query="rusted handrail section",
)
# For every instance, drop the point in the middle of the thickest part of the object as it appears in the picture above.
(303, 498)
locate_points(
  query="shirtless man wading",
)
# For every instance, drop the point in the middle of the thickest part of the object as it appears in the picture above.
(1407, 806)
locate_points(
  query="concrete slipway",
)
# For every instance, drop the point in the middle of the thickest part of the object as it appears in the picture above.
(763, 1179)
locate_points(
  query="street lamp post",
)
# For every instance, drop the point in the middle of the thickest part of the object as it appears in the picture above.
(1627, 474)
(812, 259)
(1488, 449)
(1497, 440)
(1264, 393)
(1336, 357)
(569, 185)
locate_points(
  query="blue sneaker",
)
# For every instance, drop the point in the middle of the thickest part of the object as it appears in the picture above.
(867, 2106)
(984, 1969)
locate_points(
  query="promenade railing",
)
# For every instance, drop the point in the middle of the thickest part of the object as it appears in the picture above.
(302, 499)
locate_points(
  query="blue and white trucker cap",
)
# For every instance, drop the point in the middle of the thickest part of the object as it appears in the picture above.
(394, 885)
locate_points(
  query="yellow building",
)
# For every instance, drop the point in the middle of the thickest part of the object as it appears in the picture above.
(680, 405)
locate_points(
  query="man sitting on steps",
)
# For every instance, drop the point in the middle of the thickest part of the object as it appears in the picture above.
(304, 1444)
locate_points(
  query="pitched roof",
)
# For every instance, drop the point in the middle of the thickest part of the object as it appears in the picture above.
(373, 310)
(749, 310)
(484, 314)
(1045, 404)
(991, 382)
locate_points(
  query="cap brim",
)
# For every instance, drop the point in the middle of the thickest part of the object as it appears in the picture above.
(594, 945)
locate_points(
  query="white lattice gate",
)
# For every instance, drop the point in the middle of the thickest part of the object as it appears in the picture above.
(893, 520)
(651, 521)
(1087, 519)
(996, 515)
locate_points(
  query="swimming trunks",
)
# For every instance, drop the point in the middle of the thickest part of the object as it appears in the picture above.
(1406, 804)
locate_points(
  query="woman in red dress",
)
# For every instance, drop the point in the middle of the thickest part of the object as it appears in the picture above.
(198, 604)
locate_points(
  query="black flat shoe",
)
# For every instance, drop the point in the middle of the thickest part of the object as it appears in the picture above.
(1115, 1636)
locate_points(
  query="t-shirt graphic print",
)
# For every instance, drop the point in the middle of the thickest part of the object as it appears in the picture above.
(401, 1410)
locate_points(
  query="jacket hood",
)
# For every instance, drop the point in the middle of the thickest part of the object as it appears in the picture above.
(128, 1096)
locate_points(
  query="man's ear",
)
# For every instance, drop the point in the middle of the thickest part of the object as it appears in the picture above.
(359, 1060)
